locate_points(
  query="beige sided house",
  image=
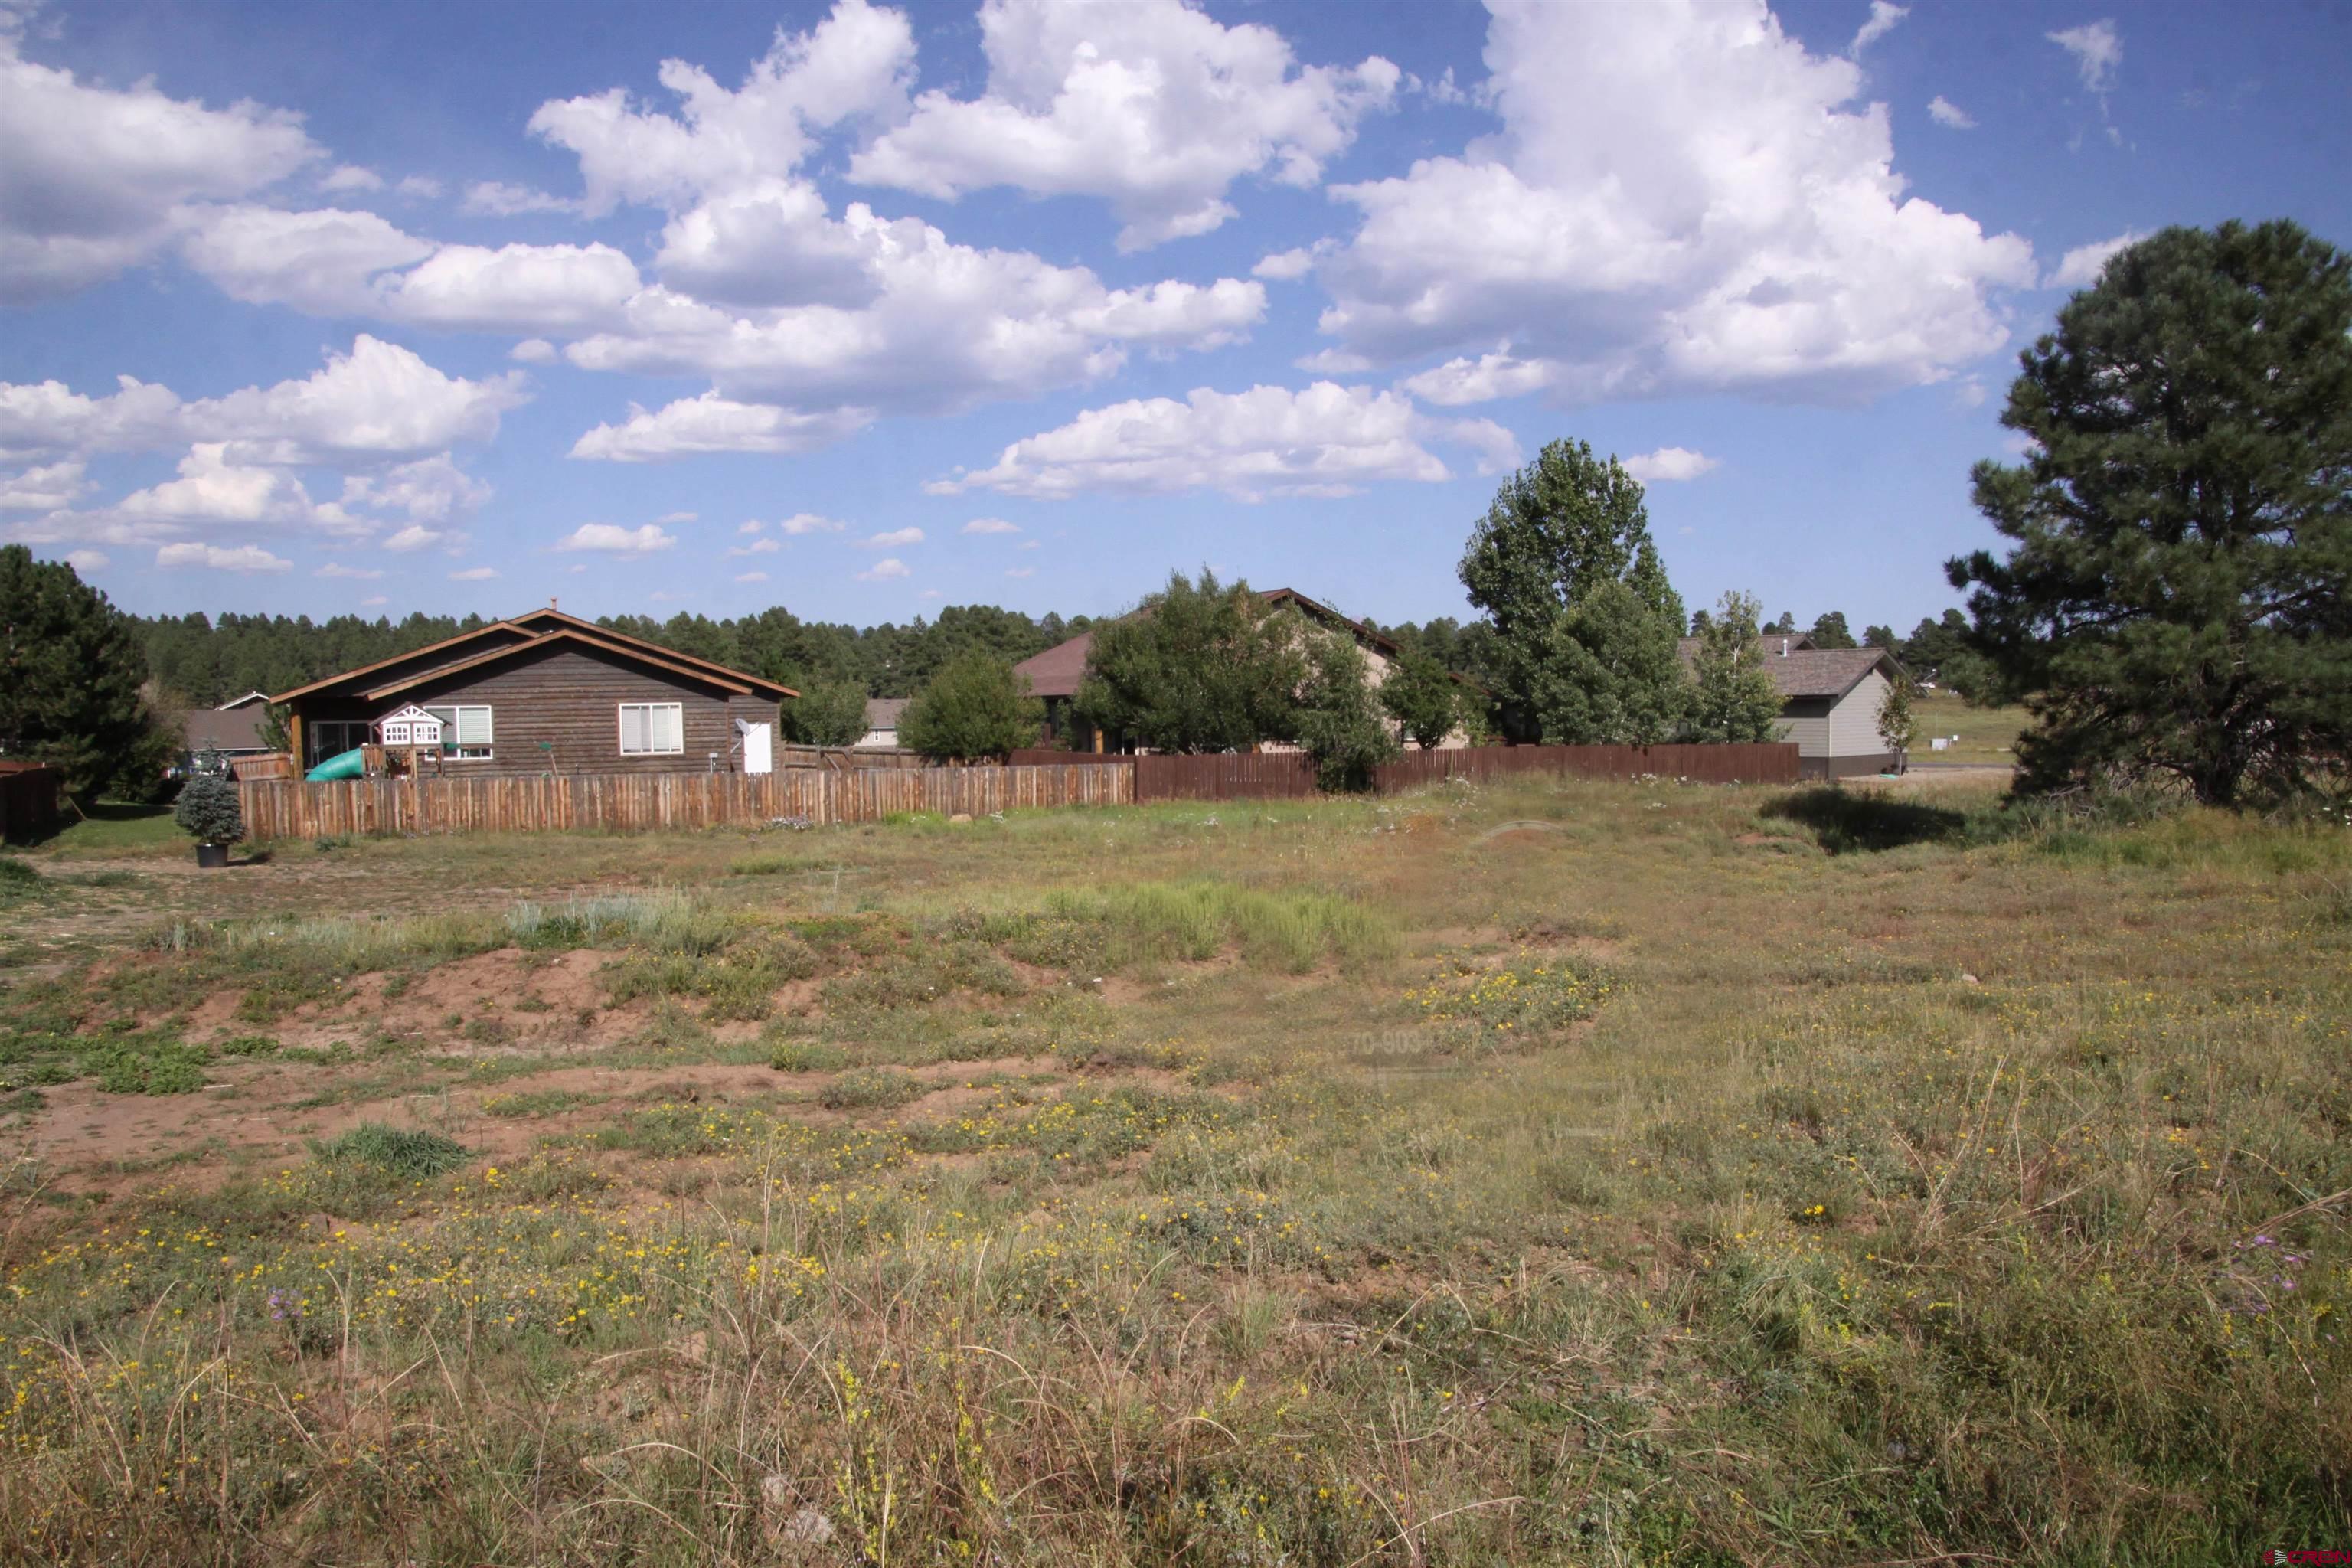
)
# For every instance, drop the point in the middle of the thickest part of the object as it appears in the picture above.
(1829, 703)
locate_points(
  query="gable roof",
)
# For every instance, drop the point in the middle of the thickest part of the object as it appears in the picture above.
(1774, 643)
(462, 638)
(1828, 671)
(528, 630)
(224, 729)
(1325, 613)
(1057, 671)
(882, 713)
(548, 617)
(735, 684)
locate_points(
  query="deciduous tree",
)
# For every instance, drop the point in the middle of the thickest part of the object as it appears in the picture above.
(1338, 720)
(826, 713)
(1201, 666)
(975, 707)
(1423, 698)
(1585, 623)
(1734, 697)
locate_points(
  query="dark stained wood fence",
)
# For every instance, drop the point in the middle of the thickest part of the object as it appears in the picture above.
(1767, 762)
(1269, 775)
(635, 803)
(28, 801)
(1049, 757)
(791, 755)
(1244, 775)
(267, 765)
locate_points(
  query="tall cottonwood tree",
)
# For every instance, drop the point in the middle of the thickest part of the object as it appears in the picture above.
(1585, 623)
(2177, 599)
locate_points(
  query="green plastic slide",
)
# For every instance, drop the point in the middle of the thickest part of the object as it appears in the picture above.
(347, 764)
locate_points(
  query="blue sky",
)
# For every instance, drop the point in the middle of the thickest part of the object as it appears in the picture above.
(864, 310)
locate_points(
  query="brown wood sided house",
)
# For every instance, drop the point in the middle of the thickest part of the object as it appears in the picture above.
(549, 693)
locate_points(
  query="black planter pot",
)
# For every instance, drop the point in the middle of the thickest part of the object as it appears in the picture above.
(212, 856)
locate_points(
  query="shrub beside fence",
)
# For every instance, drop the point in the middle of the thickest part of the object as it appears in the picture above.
(636, 803)
(28, 801)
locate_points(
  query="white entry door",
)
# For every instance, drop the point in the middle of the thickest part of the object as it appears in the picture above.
(759, 755)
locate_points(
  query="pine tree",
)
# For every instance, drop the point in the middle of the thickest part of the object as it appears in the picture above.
(1831, 631)
(2177, 597)
(71, 669)
(1734, 697)
(1585, 623)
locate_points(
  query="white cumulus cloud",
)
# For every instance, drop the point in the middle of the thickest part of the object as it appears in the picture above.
(2080, 267)
(990, 525)
(695, 426)
(882, 570)
(1668, 464)
(88, 561)
(1150, 104)
(474, 574)
(222, 558)
(96, 178)
(357, 574)
(612, 539)
(416, 536)
(893, 540)
(1681, 198)
(379, 401)
(1322, 440)
(1950, 115)
(811, 523)
(44, 487)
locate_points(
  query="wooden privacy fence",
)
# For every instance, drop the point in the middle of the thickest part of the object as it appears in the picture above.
(1270, 775)
(1764, 762)
(635, 803)
(28, 801)
(1232, 775)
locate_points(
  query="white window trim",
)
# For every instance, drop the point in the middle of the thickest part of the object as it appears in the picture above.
(451, 751)
(621, 735)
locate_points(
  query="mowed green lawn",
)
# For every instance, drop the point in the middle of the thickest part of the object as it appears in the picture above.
(1544, 1173)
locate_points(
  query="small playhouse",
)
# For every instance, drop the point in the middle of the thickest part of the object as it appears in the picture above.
(406, 741)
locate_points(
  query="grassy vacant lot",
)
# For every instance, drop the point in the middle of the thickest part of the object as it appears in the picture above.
(1986, 735)
(1544, 1174)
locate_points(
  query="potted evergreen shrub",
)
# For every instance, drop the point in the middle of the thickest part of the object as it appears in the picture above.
(208, 812)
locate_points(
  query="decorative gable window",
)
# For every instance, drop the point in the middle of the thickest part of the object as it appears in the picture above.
(464, 732)
(652, 729)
